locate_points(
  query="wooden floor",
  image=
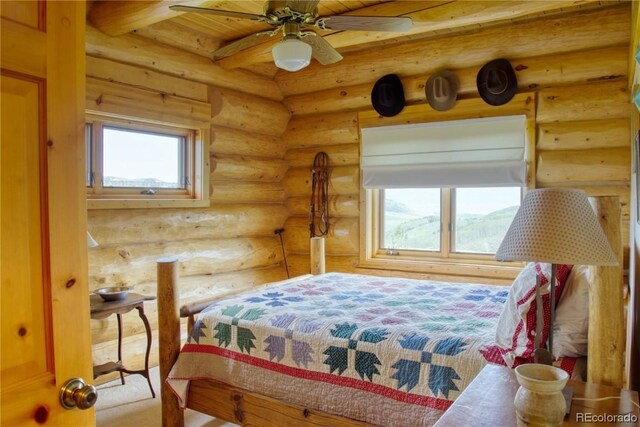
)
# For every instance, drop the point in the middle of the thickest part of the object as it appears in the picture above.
(131, 405)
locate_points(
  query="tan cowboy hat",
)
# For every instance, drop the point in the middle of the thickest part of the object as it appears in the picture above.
(442, 90)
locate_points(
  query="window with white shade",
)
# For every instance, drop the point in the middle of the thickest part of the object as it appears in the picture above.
(446, 190)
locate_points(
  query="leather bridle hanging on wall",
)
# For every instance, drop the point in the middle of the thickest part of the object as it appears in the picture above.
(319, 206)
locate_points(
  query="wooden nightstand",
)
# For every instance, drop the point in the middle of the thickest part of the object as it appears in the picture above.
(101, 310)
(488, 401)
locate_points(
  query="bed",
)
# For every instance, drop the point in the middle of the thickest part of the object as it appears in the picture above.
(387, 351)
(333, 349)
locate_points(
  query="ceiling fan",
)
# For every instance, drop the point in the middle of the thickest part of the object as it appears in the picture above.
(298, 45)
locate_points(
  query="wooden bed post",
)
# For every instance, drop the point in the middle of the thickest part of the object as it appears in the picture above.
(169, 342)
(317, 255)
(605, 361)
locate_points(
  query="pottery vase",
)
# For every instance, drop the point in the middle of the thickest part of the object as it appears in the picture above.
(539, 401)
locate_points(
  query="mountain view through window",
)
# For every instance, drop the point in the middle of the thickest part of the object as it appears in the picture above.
(480, 217)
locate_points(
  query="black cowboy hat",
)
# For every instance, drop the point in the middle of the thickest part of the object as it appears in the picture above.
(387, 95)
(442, 90)
(497, 82)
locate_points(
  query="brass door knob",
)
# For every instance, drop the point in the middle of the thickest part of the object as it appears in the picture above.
(76, 394)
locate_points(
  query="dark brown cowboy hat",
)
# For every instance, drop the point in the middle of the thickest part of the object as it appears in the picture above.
(497, 82)
(442, 90)
(387, 95)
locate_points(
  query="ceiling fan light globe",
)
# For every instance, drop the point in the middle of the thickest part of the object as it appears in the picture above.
(291, 54)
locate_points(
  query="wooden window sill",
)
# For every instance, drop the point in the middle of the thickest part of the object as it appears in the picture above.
(502, 272)
(149, 203)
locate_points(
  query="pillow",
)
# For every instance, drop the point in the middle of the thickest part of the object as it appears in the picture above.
(571, 327)
(515, 335)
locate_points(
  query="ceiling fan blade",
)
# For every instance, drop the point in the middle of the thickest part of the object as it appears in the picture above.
(219, 12)
(321, 50)
(243, 43)
(303, 6)
(364, 23)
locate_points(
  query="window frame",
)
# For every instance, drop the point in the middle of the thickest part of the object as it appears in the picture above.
(194, 166)
(466, 266)
(373, 256)
(447, 234)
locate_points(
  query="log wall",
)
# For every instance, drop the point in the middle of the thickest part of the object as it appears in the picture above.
(262, 148)
(229, 245)
(576, 65)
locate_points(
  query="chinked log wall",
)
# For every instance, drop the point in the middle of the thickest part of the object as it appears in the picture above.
(229, 245)
(576, 64)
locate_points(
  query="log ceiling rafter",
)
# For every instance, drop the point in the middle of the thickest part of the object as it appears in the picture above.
(441, 18)
(120, 17)
(431, 18)
(171, 33)
(140, 51)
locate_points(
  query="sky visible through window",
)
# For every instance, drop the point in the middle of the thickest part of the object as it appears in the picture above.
(486, 200)
(134, 156)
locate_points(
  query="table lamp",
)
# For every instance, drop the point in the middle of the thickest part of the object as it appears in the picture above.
(555, 226)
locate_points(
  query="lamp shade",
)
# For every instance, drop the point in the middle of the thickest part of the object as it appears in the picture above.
(556, 226)
(291, 54)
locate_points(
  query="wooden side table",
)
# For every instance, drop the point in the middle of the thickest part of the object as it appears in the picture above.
(488, 402)
(101, 309)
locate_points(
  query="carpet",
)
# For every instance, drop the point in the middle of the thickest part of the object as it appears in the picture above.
(131, 405)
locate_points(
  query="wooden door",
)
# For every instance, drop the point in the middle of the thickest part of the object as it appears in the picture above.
(43, 269)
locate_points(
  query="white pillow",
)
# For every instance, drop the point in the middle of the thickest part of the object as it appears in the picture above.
(515, 334)
(571, 328)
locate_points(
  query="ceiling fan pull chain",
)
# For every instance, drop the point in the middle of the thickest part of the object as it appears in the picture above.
(319, 195)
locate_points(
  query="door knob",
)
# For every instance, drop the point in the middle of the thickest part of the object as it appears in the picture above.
(75, 393)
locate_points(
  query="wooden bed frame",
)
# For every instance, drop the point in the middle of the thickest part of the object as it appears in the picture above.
(604, 366)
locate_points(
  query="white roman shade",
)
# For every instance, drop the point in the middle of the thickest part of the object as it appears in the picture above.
(462, 153)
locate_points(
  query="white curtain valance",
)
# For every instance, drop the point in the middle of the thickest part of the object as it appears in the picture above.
(461, 153)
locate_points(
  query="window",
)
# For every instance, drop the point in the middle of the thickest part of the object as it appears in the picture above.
(442, 192)
(481, 217)
(410, 219)
(447, 222)
(141, 162)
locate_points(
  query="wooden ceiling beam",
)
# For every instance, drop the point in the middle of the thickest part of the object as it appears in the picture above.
(120, 17)
(430, 18)
(143, 52)
(453, 16)
(181, 37)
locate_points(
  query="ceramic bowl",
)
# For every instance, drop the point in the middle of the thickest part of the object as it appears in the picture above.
(114, 293)
(541, 378)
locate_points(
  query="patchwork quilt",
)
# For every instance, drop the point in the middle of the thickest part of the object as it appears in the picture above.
(387, 351)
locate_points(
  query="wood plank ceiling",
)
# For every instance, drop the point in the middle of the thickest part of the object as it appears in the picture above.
(202, 34)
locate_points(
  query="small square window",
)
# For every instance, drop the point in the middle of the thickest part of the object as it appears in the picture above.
(137, 159)
(136, 162)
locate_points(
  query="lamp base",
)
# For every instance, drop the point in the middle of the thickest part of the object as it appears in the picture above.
(542, 356)
(539, 401)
